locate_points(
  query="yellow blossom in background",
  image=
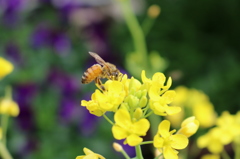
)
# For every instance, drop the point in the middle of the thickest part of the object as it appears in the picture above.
(214, 140)
(125, 128)
(89, 155)
(229, 123)
(189, 126)
(5, 67)
(226, 131)
(193, 103)
(9, 107)
(211, 156)
(167, 143)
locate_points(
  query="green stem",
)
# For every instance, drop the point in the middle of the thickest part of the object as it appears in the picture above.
(159, 156)
(8, 94)
(125, 154)
(4, 152)
(148, 114)
(138, 152)
(225, 154)
(147, 25)
(108, 119)
(135, 30)
(146, 142)
(4, 124)
(237, 148)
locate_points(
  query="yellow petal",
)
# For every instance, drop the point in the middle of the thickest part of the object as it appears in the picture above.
(163, 128)
(144, 78)
(114, 86)
(170, 153)
(159, 78)
(87, 151)
(134, 140)
(154, 93)
(158, 141)
(169, 96)
(203, 141)
(141, 127)
(211, 156)
(170, 110)
(215, 147)
(84, 103)
(122, 118)
(5, 67)
(179, 141)
(119, 133)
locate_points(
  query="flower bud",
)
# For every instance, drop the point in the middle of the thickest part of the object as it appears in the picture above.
(189, 126)
(143, 102)
(117, 147)
(154, 11)
(8, 106)
(138, 113)
(133, 101)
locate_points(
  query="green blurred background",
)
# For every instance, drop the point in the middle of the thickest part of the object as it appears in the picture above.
(48, 43)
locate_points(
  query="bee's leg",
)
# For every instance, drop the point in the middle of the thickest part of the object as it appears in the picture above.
(99, 84)
(120, 76)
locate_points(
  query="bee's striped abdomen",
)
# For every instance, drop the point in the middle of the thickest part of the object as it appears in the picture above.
(91, 73)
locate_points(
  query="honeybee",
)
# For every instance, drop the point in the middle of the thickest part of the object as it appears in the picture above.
(101, 70)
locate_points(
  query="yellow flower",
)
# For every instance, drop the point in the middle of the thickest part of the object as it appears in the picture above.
(89, 155)
(214, 140)
(160, 104)
(108, 100)
(158, 81)
(166, 142)
(5, 67)
(8, 106)
(211, 156)
(127, 129)
(229, 123)
(195, 103)
(93, 106)
(114, 95)
(189, 126)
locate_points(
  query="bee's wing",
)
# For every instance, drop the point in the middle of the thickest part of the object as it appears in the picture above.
(97, 58)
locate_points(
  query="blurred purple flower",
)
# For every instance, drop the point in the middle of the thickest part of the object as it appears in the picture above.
(44, 36)
(66, 84)
(68, 110)
(23, 95)
(61, 43)
(12, 51)
(88, 122)
(12, 9)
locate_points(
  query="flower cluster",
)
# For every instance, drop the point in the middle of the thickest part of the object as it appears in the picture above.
(132, 102)
(196, 103)
(227, 130)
